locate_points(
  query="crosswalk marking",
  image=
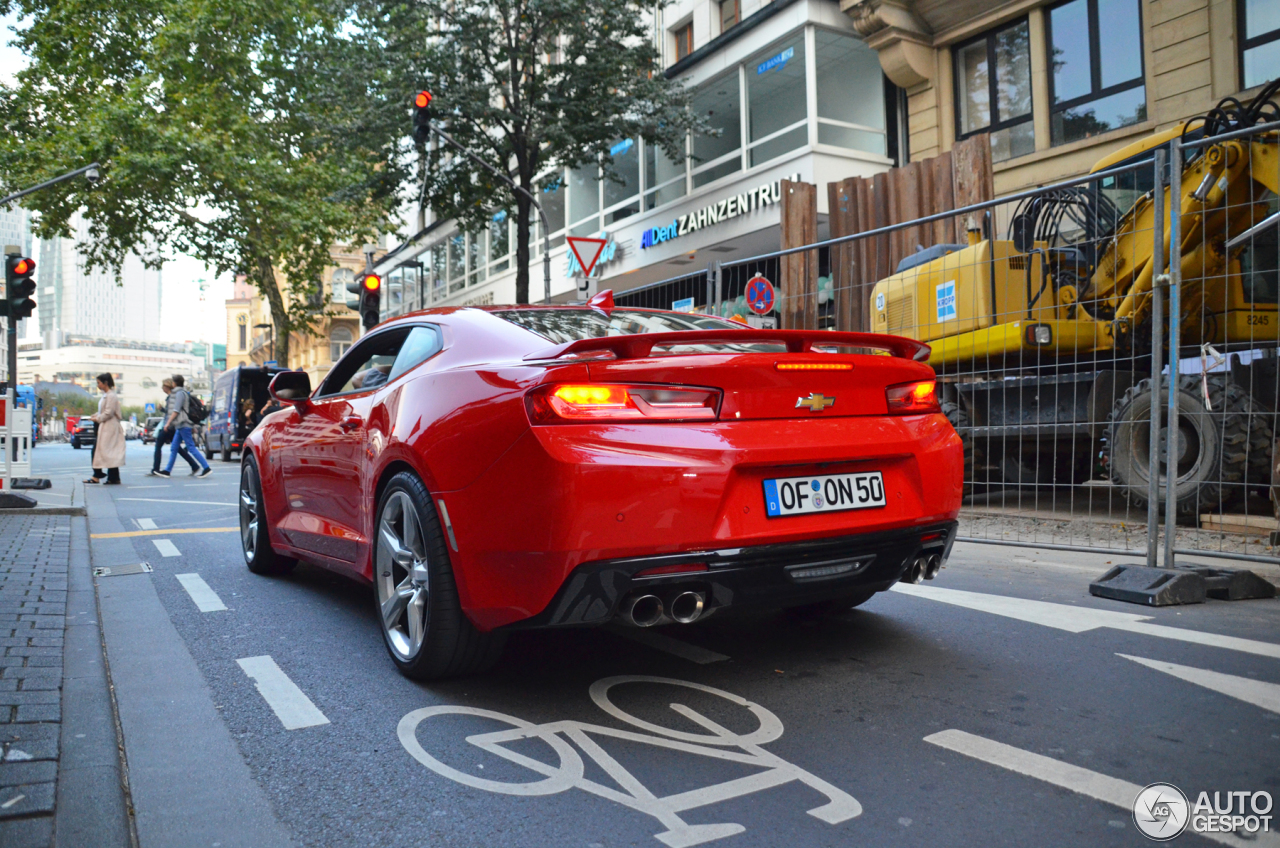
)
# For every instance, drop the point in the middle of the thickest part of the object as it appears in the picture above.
(205, 598)
(1256, 692)
(1081, 619)
(290, 704)
(166, 547)
(1092, 784)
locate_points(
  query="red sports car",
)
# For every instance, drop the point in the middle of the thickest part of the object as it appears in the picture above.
(505, 467)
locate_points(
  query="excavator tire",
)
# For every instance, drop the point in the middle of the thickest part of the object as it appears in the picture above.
(1214, 454)
(1261, 432)
(973, 457)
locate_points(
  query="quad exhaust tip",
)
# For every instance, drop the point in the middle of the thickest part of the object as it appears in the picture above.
(643, 610)
(687, 607)
(933, 566)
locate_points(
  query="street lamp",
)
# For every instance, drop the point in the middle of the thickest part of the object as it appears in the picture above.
(271, 338)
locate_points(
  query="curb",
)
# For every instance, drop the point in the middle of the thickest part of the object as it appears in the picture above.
(75, 508)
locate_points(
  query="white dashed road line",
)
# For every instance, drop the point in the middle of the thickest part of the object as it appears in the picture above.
(146, 524)
(661, 642)
(1256, 692)
(1101, 787)
(206, 599)
(166, 547)
(169, 501)
(1082, 619)
(287, 701)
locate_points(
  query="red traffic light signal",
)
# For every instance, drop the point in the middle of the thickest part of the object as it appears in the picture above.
(19, 287)
(423, 100)
(422, 117)
(371, 283)
(23, 267)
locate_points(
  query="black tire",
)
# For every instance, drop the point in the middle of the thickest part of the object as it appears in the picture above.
(255, 542)
(75, 443)
(973, 454)
(833, 606)
(1261, 432)
(450, 646)
(226, 450)
(1211, 467)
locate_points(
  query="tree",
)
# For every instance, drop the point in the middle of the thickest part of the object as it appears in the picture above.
(527, 84)
(243, 133)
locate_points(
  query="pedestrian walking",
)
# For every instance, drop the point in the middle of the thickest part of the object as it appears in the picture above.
(177, 420)
(108, 434)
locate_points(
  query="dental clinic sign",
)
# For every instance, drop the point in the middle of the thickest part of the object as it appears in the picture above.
(716, 213)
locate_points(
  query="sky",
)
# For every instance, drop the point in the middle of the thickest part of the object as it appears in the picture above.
(187, 315)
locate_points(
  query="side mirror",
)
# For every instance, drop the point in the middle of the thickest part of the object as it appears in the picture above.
(291, 387)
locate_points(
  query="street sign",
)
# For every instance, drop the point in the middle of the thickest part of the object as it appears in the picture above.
(270, 363)
(151, 409)
(760, 295)
(587, 251)
(685, 305)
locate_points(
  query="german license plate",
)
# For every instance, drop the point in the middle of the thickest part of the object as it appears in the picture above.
(825, 493)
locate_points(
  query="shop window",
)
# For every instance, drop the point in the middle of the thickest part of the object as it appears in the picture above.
(475, 258)
(584, 200)
(500, 241)
(552, 201)
(851, 108)
(1097, 83)
(622, 199)
(1259, 41)
(457, 262)
(777, 101)
(684, 41)
(340, 338)
(719, 154)
(664, 178)
(439, 273)
(730, 14)
(993, 90)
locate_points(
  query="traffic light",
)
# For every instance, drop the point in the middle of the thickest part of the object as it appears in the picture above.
(356, 288)
(18, 287)
(422, 117)
(370, 299)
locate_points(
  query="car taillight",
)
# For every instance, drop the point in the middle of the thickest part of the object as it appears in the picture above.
(578, 402)
(913, 398)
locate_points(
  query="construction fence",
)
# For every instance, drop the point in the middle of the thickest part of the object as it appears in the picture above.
(1090, 419)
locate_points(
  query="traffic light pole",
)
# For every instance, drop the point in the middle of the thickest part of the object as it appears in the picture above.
(546, 230)
(11, 389)
(90, 170)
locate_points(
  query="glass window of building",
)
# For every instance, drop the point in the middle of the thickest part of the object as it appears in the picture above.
(439, 273)
(684, 41)
(1097, 82)
(552, 201)
(457, 262)
(476, 257)
(851, 109)
(500, 241)
(730, 13)
(719, 154)
(622, 199)
(993, 90)
(664, 179)
(1259, 41)
(584, 200)
(338, 285)
(340, 339)
(776, 100)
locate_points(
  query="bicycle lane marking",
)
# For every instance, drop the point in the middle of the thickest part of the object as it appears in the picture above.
(290, 704)
(1082, 619)
(569, 773)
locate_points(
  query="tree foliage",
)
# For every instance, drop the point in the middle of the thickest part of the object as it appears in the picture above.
(526, 85)
(243, 132)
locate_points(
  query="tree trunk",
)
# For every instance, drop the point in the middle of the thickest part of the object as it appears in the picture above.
(279, 315)
(524, 210)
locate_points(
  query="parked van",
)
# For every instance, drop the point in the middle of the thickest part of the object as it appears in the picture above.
(225, 429)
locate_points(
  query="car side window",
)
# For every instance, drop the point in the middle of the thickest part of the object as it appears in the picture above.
(421, 345)
(366, 365)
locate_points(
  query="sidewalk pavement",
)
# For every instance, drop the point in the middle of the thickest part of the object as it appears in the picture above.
(60, 775)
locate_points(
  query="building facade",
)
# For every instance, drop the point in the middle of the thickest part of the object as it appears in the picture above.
(137, 367)
(1060, 85)
(795, 93)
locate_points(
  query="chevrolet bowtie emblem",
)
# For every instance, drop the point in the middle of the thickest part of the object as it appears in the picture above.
(815, 403)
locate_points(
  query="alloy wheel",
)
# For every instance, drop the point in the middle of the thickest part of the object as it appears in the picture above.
(249, 512)
(401, 576)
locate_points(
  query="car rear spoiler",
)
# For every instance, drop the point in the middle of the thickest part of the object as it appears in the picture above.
(641, 345)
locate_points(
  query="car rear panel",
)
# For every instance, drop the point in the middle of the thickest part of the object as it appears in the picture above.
(569, 494)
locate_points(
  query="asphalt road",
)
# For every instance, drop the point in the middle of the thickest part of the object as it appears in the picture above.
(997, 705)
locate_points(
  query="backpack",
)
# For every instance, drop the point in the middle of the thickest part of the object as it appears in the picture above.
(196, 410)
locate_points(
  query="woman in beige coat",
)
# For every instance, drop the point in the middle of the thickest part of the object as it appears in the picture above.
(108, 434)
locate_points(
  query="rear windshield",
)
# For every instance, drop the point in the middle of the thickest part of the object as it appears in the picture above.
(570, 325)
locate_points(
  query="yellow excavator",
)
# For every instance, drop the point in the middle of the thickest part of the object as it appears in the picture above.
(1043, 341)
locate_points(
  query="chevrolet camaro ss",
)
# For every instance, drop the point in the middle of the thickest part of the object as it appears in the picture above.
(496, 468)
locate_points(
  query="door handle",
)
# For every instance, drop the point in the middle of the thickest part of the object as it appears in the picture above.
(352, 422)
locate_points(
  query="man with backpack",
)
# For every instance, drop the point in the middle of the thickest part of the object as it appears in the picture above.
(178, 411)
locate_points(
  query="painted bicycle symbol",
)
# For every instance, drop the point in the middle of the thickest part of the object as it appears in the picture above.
(717, 743)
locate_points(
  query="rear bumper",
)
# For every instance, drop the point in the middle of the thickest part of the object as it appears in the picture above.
(759, 577)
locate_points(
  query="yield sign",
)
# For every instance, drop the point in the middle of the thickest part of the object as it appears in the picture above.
(587, 251)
